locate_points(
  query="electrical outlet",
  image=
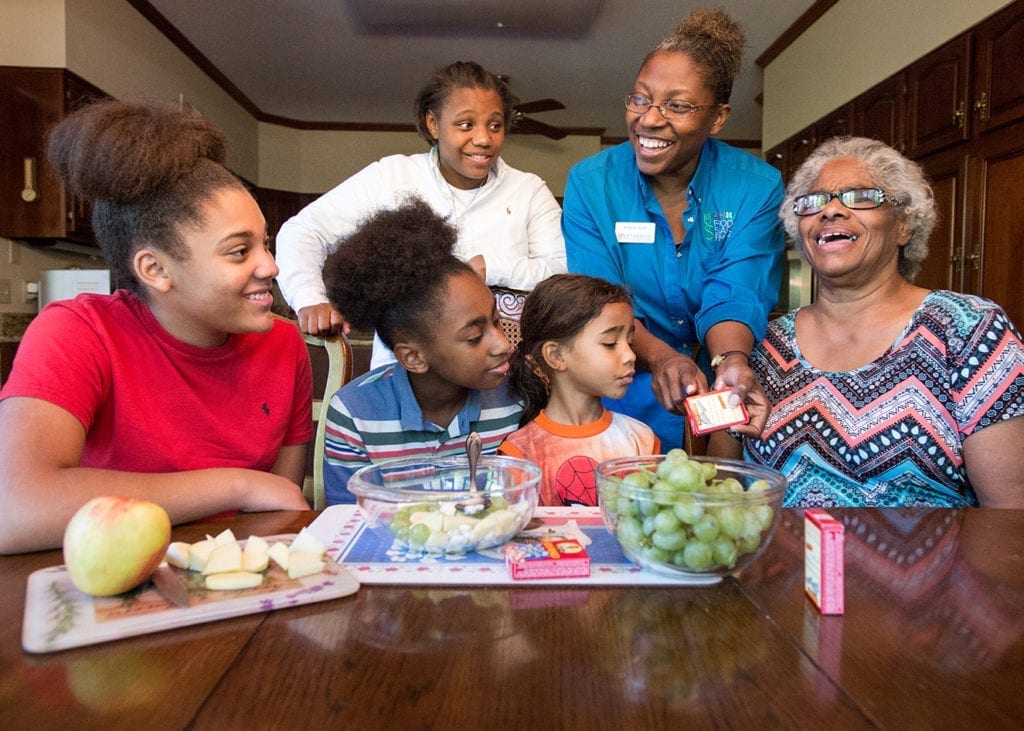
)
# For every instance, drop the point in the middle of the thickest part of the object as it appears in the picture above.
(5, 291)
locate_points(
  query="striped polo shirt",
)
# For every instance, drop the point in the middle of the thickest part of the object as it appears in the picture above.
(377, 417)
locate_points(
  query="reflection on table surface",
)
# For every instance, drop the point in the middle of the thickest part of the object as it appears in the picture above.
(933, 611)
(931, 637)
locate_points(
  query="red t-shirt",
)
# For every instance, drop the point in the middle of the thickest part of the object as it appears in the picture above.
(151, 403)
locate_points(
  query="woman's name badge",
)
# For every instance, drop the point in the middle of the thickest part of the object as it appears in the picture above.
(634, 232)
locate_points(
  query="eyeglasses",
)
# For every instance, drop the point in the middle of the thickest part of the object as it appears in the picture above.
(857, 199)
(672, 109)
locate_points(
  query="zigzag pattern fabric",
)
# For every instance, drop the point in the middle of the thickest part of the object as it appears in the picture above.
(891, 432)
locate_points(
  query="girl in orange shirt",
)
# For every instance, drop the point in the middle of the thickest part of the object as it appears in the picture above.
(575, 350)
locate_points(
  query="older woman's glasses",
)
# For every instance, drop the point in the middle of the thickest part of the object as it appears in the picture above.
(672, 109)
(857, 199)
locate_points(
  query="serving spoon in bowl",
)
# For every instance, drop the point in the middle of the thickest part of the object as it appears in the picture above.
(476, 503)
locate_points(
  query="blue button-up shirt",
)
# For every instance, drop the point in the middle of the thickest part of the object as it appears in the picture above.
(727, 268)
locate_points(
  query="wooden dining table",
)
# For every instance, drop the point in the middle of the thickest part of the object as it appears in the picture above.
(931, 637)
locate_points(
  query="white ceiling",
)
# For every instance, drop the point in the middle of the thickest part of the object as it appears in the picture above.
(362, 61)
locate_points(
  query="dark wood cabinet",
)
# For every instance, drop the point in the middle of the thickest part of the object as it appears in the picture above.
(939, 98)
(278, 206)
(880, 113)
(998, 75)
(993, 267)
(837, 124)
(959, 111)
(33, 202)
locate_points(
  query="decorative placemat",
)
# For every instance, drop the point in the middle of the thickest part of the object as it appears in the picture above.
(376, 560)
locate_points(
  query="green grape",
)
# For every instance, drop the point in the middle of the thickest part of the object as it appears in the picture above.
(759, 486)
(685, 476)
(666, 521)
(710, 469)
(663, 468)
(625, 507)
(724, 551)
(630, 532)
(747, 543)
(764, 515)
(654, 554)
(688, 510)
(648, 507)
(730, 521)
(662, 486)
(697, 555)
(677, 455)
(669, 541)
(751, 525)
(418, 534)
(648, 525)
(731, 484)
(706, 529)
(640, 478)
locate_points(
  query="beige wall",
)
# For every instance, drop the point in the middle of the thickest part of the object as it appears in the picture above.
(313, 161)
(855, 45)
(32, 33)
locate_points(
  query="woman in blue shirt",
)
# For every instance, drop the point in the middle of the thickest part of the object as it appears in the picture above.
(689, 223)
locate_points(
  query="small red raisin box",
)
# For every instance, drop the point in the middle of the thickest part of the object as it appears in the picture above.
(711, 411)
(823, 561)
(547, 559)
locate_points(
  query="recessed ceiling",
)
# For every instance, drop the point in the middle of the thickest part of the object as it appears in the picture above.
(363, 61)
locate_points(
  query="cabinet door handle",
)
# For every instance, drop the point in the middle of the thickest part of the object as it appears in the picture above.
(974, 258)
(29, 194)
(981, 107)
(955, 261)
(959, 114)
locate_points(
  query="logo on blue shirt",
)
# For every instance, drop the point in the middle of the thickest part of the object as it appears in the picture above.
(718, 225)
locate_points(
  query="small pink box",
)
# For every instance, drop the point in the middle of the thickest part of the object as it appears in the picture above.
(823, 561)
(561, 558)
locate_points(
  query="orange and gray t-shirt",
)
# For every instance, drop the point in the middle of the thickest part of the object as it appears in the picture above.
(568, 454)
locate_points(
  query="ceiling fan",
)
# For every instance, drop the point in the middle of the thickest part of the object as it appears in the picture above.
(523, 123)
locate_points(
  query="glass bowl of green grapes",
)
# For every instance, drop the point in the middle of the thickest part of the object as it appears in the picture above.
(692, 518)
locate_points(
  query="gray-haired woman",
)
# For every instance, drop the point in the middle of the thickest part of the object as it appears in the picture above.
(885, 393)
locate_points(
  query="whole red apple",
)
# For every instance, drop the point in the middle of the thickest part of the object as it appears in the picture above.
(113, 544)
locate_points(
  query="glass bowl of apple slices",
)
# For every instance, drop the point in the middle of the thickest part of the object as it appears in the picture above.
(430, 505)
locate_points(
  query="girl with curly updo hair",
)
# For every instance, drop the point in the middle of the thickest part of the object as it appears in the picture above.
(575, 350)
(439, 319)
(181, 387)
(689, 224)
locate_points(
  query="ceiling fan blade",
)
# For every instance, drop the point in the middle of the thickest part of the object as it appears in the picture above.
(532, 126)
(540, 105)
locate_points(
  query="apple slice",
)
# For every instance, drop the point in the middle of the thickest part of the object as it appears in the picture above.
(304, 563)
(305, 541)
(199, 553)
(279, 553)
(256, 544)
(225, 537)
(178, 554)
(254, 556)
(233, 580)
(224, 559)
